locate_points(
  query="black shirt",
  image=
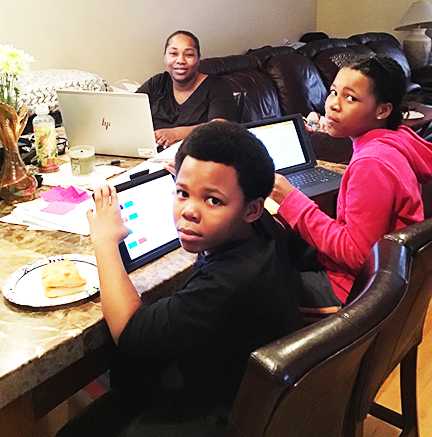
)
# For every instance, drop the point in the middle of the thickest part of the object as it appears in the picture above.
(212, 99)
(238, 299)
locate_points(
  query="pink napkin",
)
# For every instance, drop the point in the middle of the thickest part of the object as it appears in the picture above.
(61, 201)
(59, 208)
(70, 195)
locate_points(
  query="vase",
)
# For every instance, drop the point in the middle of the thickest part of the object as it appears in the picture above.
(417, 48)
(16, 184)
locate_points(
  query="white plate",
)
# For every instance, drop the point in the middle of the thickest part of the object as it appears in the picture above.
(413, 115)
(24, 286)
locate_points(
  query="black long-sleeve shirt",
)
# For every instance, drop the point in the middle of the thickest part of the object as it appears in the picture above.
(238, 299)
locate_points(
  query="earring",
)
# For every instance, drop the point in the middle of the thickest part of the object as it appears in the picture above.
(379, 117)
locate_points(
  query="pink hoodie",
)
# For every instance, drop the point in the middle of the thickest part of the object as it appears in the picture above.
(380, 192)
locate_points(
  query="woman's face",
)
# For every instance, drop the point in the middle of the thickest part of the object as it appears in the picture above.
(351, 107)
(181, 59)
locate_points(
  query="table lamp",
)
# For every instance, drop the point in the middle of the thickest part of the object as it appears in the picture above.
(417, 45)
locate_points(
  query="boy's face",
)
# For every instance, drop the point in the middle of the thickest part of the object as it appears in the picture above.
(209, 207)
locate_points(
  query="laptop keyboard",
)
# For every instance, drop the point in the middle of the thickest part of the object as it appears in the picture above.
(311, 177)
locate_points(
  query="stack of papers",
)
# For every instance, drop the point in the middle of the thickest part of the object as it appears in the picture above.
(57, 209)
(65, 209)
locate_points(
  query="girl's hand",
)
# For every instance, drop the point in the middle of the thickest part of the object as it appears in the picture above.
(281, 188)
(106, 226)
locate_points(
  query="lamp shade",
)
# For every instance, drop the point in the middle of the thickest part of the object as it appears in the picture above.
(418, 15)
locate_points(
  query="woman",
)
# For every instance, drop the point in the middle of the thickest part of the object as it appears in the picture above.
(381, 188)
(182, 97)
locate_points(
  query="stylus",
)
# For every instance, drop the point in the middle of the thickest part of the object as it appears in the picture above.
(140, 173)
(114, 162)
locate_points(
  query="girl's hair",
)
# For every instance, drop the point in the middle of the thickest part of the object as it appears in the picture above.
(186, 33)
(389, 83)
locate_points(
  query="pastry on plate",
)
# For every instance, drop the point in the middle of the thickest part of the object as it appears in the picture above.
(62, 278)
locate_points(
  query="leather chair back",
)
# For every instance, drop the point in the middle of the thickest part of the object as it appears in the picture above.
(301, 385)
(404, 331)
(260, 99)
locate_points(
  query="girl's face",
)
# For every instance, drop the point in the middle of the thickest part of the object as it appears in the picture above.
(352, 108)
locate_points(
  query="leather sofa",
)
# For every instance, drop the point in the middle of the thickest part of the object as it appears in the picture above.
(277, 81)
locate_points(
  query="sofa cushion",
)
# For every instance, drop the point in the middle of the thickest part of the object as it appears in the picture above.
(386, 45)
(328, 55)
(298, 83)
(242, 74)
(330, 61)
(227, 64)
(314, 48)
(263, 54)
(40, 86)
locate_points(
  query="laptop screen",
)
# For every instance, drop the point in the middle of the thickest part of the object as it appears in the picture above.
(146, 206)
(285, 141)
(116, 124)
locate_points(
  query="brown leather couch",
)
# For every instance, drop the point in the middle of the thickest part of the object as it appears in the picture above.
(280, 80)
(275, 81)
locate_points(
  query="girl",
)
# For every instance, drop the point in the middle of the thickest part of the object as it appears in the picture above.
(381, 187)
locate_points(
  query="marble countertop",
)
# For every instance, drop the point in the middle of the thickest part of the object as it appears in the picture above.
(35, 345)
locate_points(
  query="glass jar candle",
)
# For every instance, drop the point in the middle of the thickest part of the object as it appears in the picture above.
(82, 160)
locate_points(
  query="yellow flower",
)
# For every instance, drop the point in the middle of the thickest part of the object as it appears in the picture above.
(13, 64)
(14, 61)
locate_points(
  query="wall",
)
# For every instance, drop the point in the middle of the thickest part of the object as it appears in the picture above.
(125, 38)
(341, 18)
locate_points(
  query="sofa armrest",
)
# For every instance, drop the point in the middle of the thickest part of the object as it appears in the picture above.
(422, 76)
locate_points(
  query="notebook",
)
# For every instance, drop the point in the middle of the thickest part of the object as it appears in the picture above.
(118, 124)
(146, 207)
(289, 146)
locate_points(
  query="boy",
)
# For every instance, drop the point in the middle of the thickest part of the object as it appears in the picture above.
(241, 296)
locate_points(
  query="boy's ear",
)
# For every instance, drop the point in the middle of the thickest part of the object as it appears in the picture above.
(383, 111)
(254, 210)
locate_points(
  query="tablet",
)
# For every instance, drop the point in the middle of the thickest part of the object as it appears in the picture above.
(146, 207)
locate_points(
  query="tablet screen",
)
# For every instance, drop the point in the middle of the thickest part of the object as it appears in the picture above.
(146, 207)
(282, 142)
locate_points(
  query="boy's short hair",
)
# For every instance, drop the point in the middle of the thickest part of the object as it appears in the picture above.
(228, 143)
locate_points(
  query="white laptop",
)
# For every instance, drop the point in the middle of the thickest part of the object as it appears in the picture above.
(118, 124)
